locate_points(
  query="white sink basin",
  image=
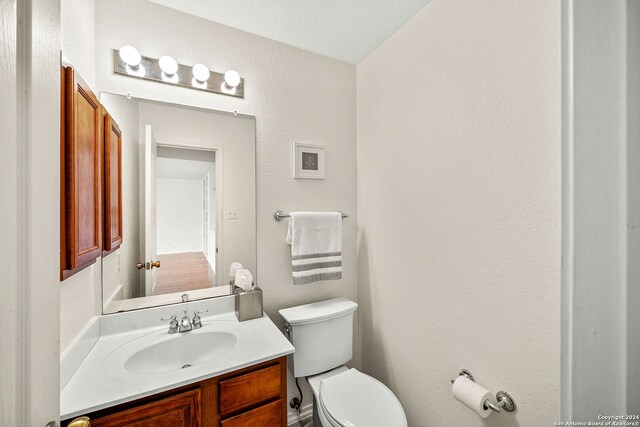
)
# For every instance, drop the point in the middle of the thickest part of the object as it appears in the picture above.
(181, 351)
(160, 353)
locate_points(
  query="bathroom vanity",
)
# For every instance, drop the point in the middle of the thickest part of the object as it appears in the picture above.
(226, 373)
(253, 396)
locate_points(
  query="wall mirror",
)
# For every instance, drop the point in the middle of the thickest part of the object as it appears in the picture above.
(188, 203)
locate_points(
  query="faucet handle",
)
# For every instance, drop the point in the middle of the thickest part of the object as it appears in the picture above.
(197, 322)
(173, 326)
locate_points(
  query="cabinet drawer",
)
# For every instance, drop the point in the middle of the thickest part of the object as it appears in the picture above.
(269, 415)
(249, 389)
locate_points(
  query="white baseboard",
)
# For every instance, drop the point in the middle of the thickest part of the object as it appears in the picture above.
(303, 417)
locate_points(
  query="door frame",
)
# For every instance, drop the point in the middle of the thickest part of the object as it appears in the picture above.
(600, 208)
(149, 213)
(30, 212)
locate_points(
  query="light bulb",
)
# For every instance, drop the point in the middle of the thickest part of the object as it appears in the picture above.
(168, 65)
(201, 73)
(130, 56)
(232, 78)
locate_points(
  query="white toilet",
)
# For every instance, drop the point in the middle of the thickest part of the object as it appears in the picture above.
(322, 334)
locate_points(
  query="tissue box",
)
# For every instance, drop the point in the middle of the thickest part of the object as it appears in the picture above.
(248, 303)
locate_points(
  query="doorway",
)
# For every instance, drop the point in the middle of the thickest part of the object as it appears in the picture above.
(186, 219)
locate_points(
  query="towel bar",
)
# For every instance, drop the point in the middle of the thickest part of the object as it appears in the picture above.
(278, 215)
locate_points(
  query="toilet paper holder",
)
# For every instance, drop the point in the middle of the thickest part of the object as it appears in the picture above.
(504, 399)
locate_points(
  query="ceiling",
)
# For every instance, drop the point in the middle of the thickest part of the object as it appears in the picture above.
(347, 30)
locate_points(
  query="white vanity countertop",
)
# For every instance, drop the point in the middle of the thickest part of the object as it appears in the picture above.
(98, 383)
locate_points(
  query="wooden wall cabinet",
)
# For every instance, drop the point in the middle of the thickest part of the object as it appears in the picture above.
(90, 177)
(81, 176)
(112, 185)
(251, 397)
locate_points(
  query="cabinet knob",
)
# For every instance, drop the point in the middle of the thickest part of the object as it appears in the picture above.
(155, 264)
(80, 422)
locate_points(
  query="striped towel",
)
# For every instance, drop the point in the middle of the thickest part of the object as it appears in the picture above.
(316, 246)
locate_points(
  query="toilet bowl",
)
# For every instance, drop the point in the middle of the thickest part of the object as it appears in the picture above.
(346, 397)
(322, 334)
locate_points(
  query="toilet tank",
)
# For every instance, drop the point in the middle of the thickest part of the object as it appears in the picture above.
(322, 333)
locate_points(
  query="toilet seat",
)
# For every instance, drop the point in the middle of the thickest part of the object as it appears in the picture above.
(354, 399)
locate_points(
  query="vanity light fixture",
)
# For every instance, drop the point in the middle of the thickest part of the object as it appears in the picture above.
(128, 62)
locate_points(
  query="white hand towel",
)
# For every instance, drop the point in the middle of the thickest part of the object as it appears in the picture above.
(316, 246)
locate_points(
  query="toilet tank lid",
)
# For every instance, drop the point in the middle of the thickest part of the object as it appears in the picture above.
(318, 311)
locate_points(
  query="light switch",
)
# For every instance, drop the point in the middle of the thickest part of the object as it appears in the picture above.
(233, 213)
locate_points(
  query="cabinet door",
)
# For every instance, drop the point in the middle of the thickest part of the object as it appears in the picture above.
(112, 185)
(181, 410)
(264, 416)
(81, 236)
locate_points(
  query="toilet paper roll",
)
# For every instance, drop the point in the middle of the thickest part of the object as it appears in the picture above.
(472, 395)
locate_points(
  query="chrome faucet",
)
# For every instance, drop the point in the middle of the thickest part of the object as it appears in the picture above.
(186, 324)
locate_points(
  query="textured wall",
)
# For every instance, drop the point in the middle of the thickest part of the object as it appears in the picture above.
(80, 295)
(294, 95)
(180, 215)
(459, 208)
(78, 37)
(125, 112)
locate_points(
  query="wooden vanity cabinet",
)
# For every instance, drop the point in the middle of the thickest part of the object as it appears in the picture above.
(180, 410)
(251, 397)
(81, 175)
